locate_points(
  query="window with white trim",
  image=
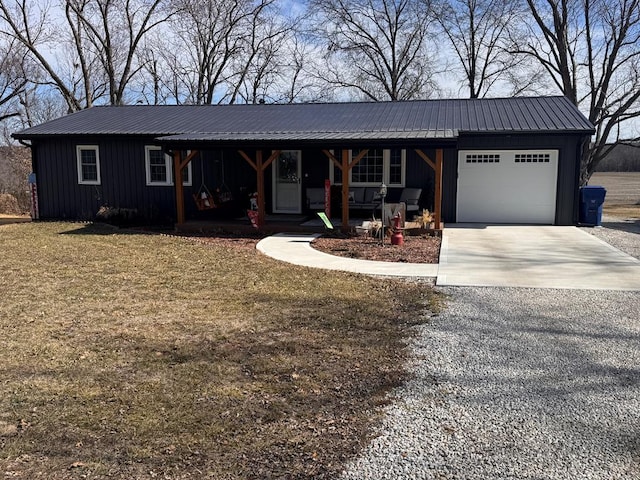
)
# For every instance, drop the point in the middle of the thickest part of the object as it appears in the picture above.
(370, 168)
(376, 166)
(396, 167)
(159, 168)
(88, 158)
(186, 171)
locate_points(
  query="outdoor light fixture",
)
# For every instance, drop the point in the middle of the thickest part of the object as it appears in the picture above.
(383, 193)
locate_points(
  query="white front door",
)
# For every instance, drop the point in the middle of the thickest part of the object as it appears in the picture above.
(507, 186)
(287, 195)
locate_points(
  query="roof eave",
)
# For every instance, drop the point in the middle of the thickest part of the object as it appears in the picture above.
(585, 131)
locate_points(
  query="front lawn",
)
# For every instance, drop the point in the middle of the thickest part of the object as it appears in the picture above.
(126, 355)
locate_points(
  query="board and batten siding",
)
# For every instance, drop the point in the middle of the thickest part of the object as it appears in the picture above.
(123, 180)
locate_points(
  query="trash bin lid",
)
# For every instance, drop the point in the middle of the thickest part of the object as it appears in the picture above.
(592, 192)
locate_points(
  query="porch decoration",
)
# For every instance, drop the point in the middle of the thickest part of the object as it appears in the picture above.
(203, 197)
(223, 192)
(259, 165)
(383, 194)
(252, 213)
(396, 237)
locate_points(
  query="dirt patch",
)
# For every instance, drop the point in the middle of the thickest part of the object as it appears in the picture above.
(415, 249)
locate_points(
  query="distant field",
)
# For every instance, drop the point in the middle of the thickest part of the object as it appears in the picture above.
(623, 188)
(623, 192)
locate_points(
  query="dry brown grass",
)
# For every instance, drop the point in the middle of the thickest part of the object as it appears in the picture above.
(145, 356)
(631, 212)
(623, 193)
(623, 188)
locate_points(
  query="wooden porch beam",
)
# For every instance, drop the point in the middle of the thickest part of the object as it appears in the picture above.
(177, 178)
(331, 157)
(248, 159)
(271, 158)
(190, 157)
(425, 158)
(354, 161)
(360, 156)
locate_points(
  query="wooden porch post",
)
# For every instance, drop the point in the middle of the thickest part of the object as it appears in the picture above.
(260, 166)
(178, 166)
(345, 190)
(345, 167)
(177, 178)
(437, 220)
(261, 199)
(437, 168)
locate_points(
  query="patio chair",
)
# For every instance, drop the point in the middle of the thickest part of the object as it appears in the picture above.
(410, 197)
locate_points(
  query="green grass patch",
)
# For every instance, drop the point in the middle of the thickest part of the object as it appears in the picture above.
(127, 355)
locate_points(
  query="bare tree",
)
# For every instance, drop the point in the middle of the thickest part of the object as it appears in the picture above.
(591, 52)
(300, 82)
(210, 37)
(114, 29)
(257, 69)
(376, 47)
(95, 46)
(477, 31)
(15, 165)
(13, 78)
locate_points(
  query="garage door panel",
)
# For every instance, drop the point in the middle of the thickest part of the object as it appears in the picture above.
(512, 187)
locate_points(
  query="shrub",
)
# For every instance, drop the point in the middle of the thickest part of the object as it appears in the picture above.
(9, 205)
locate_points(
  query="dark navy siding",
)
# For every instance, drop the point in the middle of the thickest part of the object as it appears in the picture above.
(123, 180)
(124, 185)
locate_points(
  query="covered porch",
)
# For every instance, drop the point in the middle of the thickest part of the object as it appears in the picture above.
(266, 160)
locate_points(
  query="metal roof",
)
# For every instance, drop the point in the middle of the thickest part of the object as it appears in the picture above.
(425, 119)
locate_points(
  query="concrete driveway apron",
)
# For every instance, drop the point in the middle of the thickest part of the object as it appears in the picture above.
(533, 256)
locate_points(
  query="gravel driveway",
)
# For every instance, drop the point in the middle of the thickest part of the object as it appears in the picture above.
(520, 384)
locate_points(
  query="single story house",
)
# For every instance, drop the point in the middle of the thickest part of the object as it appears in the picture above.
(508, 160)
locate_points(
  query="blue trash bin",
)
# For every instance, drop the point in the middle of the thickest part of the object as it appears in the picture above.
(591, 201)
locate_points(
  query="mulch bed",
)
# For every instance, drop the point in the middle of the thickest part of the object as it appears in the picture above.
(423, 248)
(416, 249)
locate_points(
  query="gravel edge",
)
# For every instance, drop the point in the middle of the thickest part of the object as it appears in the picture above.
(519, 383)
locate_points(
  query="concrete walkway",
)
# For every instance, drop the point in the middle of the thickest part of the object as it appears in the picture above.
(490, 256)
(296, 249)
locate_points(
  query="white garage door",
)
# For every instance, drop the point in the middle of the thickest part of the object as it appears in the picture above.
(507, 186)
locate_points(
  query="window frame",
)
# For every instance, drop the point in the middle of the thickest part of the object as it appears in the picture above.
(168, 162)
(147, 167)
(189, 182)
(81, 179)
(386, 170)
